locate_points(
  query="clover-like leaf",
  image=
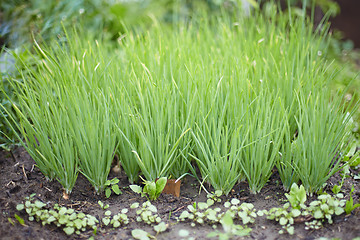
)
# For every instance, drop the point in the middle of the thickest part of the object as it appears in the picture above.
(290, 230)
(235, 201)
(283, 221)
(134, 205)
(161, 227)
(106, 221)
(218, 193)
(152, 208)
(69, 230)
(140, 234)
(339, 210)
(318, 214)
(295, 212)
(116, 224)
(184, 214)
(202, 205)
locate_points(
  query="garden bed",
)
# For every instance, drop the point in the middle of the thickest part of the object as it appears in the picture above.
(19, 178)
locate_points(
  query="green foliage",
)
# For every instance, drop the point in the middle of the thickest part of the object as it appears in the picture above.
(116, 220)
(161, 227)
(322, 128)
(297, 196)
(23, 18)
(20, 219)
(67, 135)
(102, 205)
(230, 229)
(66, 218)
(320, 210)
(349, 205)
(147, 213)
(162, 104)
(202, 212)
(151, 190)
(141, 234)
(112, 186)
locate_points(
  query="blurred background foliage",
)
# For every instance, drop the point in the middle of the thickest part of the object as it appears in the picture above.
(22, 19)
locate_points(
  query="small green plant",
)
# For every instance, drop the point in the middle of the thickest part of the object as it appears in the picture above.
(146, 213)
(120, 219)
(117, 220)
(202, 212)
(197, 214)
(102, 205)
(106, 220)
(349, 205)
(141, 234)
(244, 211)
(66, 218)
(230, 229)
(112, 186)
(215, 196)
(161, 227)
(285, 217)
(151, 190)
(326, 206)
(297, 196)
(323, 208)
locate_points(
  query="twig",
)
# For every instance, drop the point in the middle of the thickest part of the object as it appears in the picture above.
(178, 209)
(23, 169)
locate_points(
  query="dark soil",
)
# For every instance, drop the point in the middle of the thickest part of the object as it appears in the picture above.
(19, 178)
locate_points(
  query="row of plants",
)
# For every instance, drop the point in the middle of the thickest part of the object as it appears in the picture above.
(236, 217)
(235, 96)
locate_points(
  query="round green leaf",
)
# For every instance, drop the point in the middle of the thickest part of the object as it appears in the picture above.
(20, 207)
(140, 234)
(69, 230)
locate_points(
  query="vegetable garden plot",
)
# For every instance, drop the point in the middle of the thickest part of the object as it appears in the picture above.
(233, 96)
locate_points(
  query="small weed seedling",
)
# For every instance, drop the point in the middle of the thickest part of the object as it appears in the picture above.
(66, 218)
(349, 205)
(141, 234)
(297, 196)
(215, 196)
(324, 208)
(117, 220)
(112, 186)
(151, 190)
(102, 205)
(147, 213)
(230, 229)
(245, 212)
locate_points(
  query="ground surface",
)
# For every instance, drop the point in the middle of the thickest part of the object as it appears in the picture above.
(19, 178)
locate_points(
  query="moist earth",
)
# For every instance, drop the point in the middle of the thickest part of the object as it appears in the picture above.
(19, 177)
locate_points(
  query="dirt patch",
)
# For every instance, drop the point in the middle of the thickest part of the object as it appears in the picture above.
(19, 178)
